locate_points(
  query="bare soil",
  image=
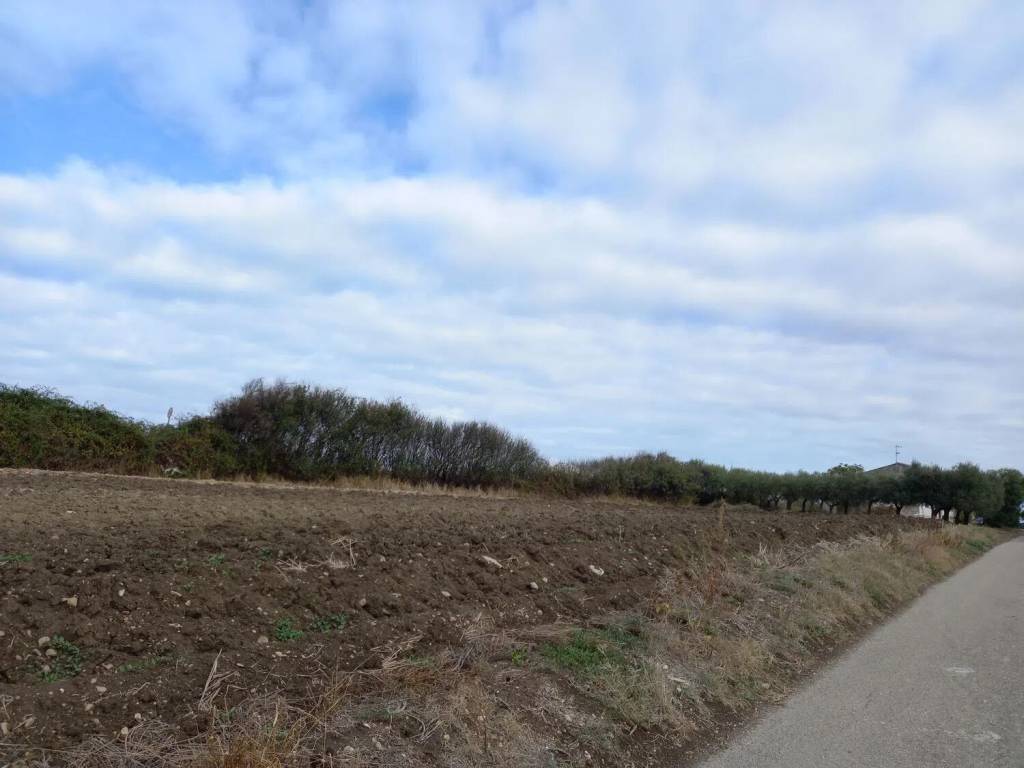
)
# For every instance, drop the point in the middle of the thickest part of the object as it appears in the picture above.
(152, 580)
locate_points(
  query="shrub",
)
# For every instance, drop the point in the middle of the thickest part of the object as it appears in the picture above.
(197, 447)
(40, 428)
(658, 477)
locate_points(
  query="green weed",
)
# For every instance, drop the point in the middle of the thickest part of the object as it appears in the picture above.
(67, 663)
(286, 631)
(330, 623)
(784, 582)
(877, 595)
(584, 653)
(16, 557)
(977, 546)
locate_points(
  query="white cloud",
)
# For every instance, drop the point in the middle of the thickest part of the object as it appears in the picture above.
(769, 233)
(794, 101)
(531, 312)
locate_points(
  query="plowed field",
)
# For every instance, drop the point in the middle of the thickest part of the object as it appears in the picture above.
(117, 594)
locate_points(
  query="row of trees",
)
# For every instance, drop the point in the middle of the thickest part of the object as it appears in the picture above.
(308, 433)
(965, 491)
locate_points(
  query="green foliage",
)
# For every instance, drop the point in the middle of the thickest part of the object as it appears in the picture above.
(196, 447)
(15, 557)
(286, 631)
(1009, 512)
(975, 493)
(589, 651)
(331, 622)
(658, 477)
(581, 654)
(39, 428)
(302, 432)
(66, 664)
(293, 431)
(309, 433)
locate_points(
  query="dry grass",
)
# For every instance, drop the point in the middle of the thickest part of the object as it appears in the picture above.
(720, 635)
(729, 635)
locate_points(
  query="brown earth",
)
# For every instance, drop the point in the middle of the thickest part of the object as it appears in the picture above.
(164, 575)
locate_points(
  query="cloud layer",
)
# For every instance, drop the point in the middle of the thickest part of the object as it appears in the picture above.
(772, 236)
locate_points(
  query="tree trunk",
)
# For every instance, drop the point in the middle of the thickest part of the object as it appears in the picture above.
(945, 515)
(803, 505)
(899, 509)
(870, 505)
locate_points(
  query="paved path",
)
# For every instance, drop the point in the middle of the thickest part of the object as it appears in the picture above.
(941, 685)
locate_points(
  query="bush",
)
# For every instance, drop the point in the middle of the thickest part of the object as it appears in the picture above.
(39, 428)
(657, 477)
(308, 433)
(196, 447)
(302, 432)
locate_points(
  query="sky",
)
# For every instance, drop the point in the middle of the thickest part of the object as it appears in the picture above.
(777, 235)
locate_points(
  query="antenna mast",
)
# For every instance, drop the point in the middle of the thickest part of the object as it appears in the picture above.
(898, 453)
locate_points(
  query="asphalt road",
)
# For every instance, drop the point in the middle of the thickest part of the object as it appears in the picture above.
(941, 685)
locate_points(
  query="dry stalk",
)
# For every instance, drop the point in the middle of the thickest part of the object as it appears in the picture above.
(214, 681)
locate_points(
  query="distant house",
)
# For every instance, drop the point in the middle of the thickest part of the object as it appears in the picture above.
(897, 469)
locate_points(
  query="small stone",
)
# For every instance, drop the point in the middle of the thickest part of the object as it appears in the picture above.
(29, 721)
(101, 689)
(43, 641)
(5, 728)
(45, 669)
(350, 749)
(51, 652)
(362, 602)
(138, 716)
(262, 640)
(597, 571)
(534, 586)
(488, 560)
(124, 731)
(445, 593)
(120, 593)
(71, 601)
(88, 707)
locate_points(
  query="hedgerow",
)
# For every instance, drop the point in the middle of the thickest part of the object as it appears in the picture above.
(303, 432)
